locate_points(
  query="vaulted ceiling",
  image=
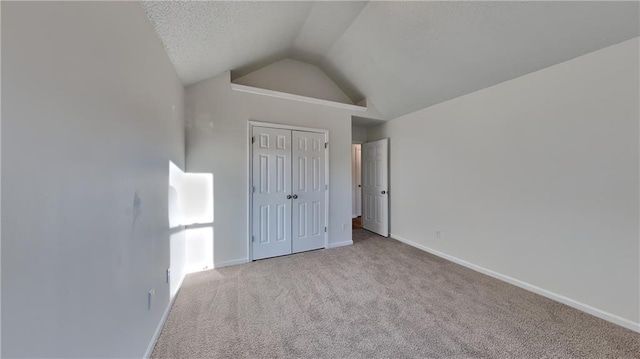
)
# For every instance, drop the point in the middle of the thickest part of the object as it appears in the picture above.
(401, 56)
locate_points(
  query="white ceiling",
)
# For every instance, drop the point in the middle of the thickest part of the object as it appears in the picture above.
(206, 38)
(401, 56)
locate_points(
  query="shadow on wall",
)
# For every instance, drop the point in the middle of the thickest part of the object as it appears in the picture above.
(191, 223)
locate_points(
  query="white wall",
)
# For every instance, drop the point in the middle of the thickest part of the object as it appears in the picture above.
(358, 134)
(93, 112)
(535, 178)
(295, 77)
(177, 260)
(190, 223)
(177, 236)
(0, 195)
(217, 142)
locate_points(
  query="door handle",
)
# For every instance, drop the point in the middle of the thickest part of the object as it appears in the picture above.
(359, 185)
(288, 196)
(295, 196)
(383, 192)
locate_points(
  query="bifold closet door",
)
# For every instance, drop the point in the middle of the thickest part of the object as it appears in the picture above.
(309, 186)
(271, 209)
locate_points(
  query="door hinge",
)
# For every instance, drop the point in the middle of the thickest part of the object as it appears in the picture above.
(325, 229)
(326, 187)
(253, 238)
(254, 189)
(326, 144)
(253, 139)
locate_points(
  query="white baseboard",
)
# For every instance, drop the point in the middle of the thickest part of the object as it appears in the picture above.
(340, 244)
(165, 315)
(232, 262)
(623, 322)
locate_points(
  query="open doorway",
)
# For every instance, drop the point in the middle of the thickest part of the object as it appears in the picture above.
(356, 184)
(369, 180)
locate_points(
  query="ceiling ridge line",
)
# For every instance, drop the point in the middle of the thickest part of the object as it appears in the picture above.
(299, 31)
(346, 29)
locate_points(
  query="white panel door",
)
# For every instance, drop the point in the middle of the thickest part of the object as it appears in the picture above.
(309, 186)
(375, 198)
(271, 212)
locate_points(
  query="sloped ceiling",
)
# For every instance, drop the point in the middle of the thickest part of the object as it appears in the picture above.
(401, 56)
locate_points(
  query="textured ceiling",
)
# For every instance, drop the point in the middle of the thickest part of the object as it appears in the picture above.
(401, 56)
(206, 38)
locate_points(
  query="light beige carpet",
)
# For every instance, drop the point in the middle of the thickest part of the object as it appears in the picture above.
(378, 298)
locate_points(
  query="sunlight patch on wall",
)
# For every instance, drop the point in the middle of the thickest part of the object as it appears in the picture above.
(190, 204)
(196, 200)
(199, 249)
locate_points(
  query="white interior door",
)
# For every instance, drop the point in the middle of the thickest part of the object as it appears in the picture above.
(271, 212)
(375, 167)
(309, 186)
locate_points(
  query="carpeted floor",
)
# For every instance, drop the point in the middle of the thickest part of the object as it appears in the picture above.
(378, 298)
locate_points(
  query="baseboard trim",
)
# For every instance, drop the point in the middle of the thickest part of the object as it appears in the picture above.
(340, 244)
(232, 262)
(163, 320)
(623, 322)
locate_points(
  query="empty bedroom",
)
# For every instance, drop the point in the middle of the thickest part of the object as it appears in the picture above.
(320, 179)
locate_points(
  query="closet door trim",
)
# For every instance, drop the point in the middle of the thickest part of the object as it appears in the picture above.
(249, 225)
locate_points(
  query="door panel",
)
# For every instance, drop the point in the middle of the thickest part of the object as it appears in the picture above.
(309, 187)
(271, 184)
(375, 211)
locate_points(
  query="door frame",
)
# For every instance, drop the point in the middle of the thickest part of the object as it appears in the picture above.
(250, 125)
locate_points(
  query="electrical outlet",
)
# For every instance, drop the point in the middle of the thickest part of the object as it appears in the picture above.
(345, 226)
(169, 275)
(150, 296)
(438, 234)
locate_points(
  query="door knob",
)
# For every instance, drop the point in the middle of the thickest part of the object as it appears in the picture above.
(359, 185)
(295, 196)
(383, 192)
(288, 196)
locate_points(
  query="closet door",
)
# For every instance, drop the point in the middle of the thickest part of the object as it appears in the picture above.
(271, 212)
(309, 186)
